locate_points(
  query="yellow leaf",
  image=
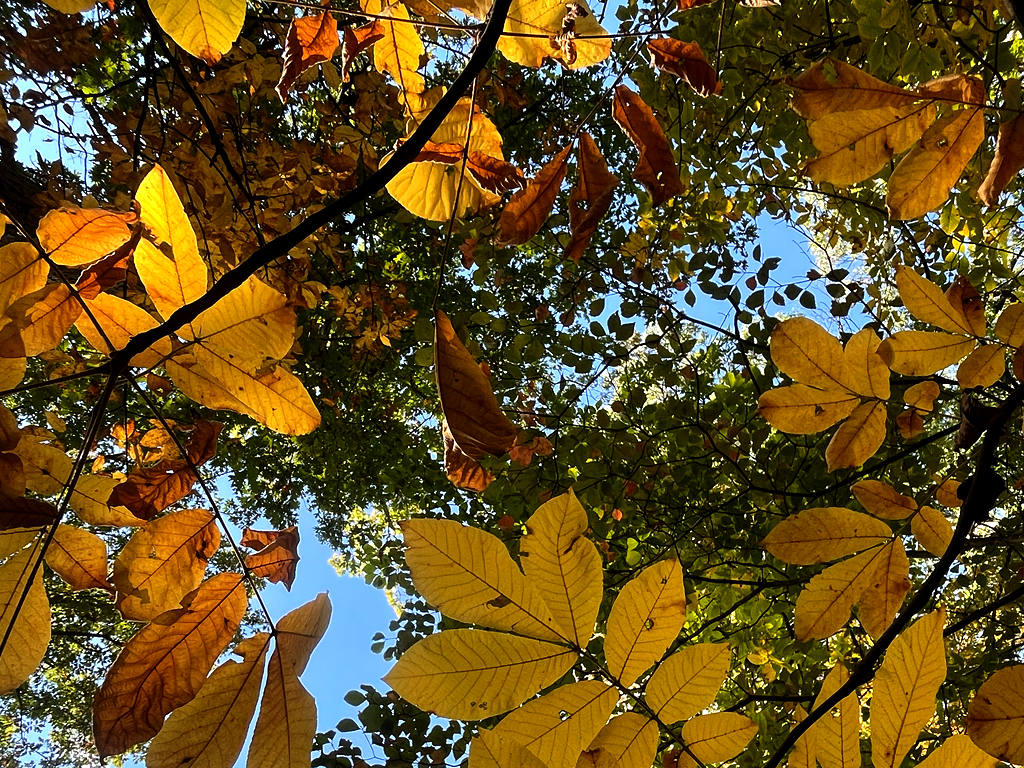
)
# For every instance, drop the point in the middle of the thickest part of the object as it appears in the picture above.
(687, 681)
(557, 727)
(656, 169)
(209, 731)
(15, 539)
(467, 674)
(1010, 325)
(530, 207)
(38, 321)
(801, 410)
(924, 177)
(274, 397)
(30, 634)
(858, 437)
(837, 733)
(120, 320)
(805, 750)
(89, 500)
(427, 189)
(922, 395)
(400, 50)
(628, 740)
(932, 529)
(74, 237)
(982, 368)
(904, 690)
(927, 302)
(922, 353)
(824, 534)
(856, 144)
(825, 603)
(966, 301)
(645, 618)
(12, 371)
(958, 751)
(946, 493)
(883, 598)
(79, 557)
(470, 408)
(467, 574)
(300, 630)
(808, 354)
(531, 24)
(882, 500)
(170, 282)
(205, 28)
(995, 721)
(163, 562)
(47, 467)
(489, 750)
(22, 272)
(869, 375)
(833, 86)
(165, 664)
(718, 737)
(564, 565)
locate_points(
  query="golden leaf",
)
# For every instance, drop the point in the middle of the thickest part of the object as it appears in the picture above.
(399, 51)
(38, 321)
(995, 721)
(74, 237)
(1008, 161)
(657, 169)
(300, 630)
(802, 410)
(205, 28)
(926, 301)
(489, 750)
(922, 353)
(868, 373)
(807, 353)
(287, 722)
(931, 528)
(823, 534)
(805, 750)
(427, 189)
(645, 618)
(923, 179)
(628, 740)
(921, 395)
(47, 468)
(355, 41)
(310, 40)
(904, 689)
(824, 605)
(163, 562)
(883, 598)
(22, 272)
(882, 500)
(837, 734)
(946, 493)
(831, 86)
(120, 320)
(470, 674)
(529, 208)
(687, 62)
(209, 731)
(276, 559)
(958, 751)
(79, 557)
(165, 664)
(531, 24)
(858, 438)
(687, 681)
(30, 634)
(718, 737)
(565, 566)
(462, 470)
(966, 301)
(982, 368)
(89, 500)
(590, 198)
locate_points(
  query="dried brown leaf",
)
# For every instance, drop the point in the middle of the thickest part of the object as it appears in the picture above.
(1008, 161)
(311, 40)
(463, 471)
(656, 169)
(687, 62)
(590, 199)
(355, 41)
(19, 512)
(276, 559)
(529, 208)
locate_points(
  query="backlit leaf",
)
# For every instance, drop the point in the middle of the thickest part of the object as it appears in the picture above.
(921, 395)
(467, 574)
(824, 605)
(687, 681)
(656, 169)
(47, 468)
(882, 500)
(469, 674)
(355, 41)
(966, 301)
(148, 491)
(564, 565)
(300, 630)
(22, 272)
(209, 731)
(805, 750)
(931, 528)
(685, 61)
(89, 500)
(532, 23)
(530, 207)
(837, 733)
(995, 721)
(924, 177)
(39, 321)
(205, 28)
(958, 751)
(922, 353)
(628, 740)
(120, 320)
(30, 634)
(79, 557)
(719, 736)
(1008, 161)
(399, 51)
(590, 198)
(858, 438)
(824, 534)
(982, 368)
(946, 493)
(287, 722)
(802, 410)
(868, 373)
(276, 561)
(1009, 327)
(883, 598)
(76, 236)
(165, 664)
(904, 689)
(490, 750)
(645, 618)
(807, 353)
(310, 40)
(463, 471)
(428, 190)
(163, 562)
(927, 302)
(831, 86)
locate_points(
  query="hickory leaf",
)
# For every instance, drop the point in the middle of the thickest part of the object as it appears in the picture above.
(824, 534)
(29, 623)
(995, 720)
(529, 208)
(687, 681)
(205, 28)
(311, 39)
(719, 736)
(656, 169)
(837, 734)
(73, 237)
(628, 740)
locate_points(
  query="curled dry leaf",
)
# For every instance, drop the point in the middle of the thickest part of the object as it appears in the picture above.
(1008, 161)
(463, 471)
(656, 169)
(471, 411)
(590, 199)
(687, 62)
(492, 173)
(276, 557)
(355, 41)
(529, 208)
(311, 40)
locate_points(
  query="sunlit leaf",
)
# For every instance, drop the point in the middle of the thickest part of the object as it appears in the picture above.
(931, 528)
(628, 740)
(685, 61)
(531, 24)
(858, 438)
(310, 40)
(837, 734)
(882, 500)
(590, 198)
(165, 664)
(832, 86)
(958, 751)
(966, 301)
(356, 40)
(120, 320)
(922, 353)
(76, 236)
(883, 598)
(803, 410)
(39, 321)
(490, 750)
(995, 721)
(463, 471)
(22, 272)
(921, 395)
(30, 634)
(79, 557)
(824, 605)
(276, 559)
(824, 534)
(982, 368)
(807, 353)
(89, 501)
(805, 750)
(400, 49)
(205, 28)
(688, 681)
(904, 689)
(719, 736)
(868, 373)
(656, 169)
(529, 208)
(645, 618)
(300, 630)
(927, 302)
(469, 674)
(47, 468)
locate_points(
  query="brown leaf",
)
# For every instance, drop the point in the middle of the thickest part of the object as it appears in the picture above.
(657, 169)
(38, 321)
(958, 89)
(590, 199)
(529, 208)
(108, 271)
(165, 664)
(355, 41)
(202, 445)
(463, 471)
(25, 513)
(79, 557)
(311, 39)
(965, 299)
(148, 491)
(477, 424)
(10, 432)
(493, 174)
(276, 554)
(831, 86)
(685, 61)
(1008, 161)
(12, 476)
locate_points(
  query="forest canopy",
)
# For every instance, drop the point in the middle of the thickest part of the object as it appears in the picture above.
(662, 362)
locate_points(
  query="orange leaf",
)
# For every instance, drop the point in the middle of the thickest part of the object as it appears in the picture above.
(108, 271)
(120, 320)
(477, 424)
(355, 41)
(657, 169)
(148, 491)
(687, 62)
(38, 321)
(831, 86)
(76, 236)
(529, 208)
(1008, 161)
(165, 664)
(463, 471)
(590, 199)
(79, 557)
(311, 39)
(21, 272)
(492, 173)
(276, 560)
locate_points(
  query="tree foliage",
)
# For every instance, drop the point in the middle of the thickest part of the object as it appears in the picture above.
(498, 290)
